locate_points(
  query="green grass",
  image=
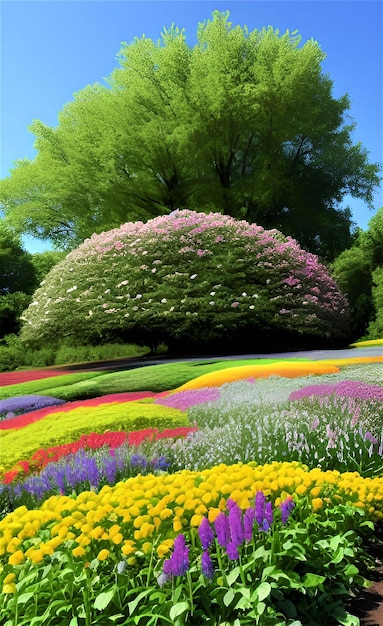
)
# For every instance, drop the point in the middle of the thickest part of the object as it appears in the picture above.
(45, 385)
(154, 378)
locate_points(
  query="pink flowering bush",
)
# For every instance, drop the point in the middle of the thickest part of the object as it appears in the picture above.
(188, 278)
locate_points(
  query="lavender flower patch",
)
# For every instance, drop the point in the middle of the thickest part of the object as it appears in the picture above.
(25, 404)
(183, 400)
(85, 470)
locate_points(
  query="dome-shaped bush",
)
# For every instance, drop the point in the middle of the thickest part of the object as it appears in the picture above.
(189, 279)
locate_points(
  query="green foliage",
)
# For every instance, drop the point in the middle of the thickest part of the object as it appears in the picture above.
(375, 329)
(243, 123)
(45, 384)
(354, 271)
(14, 355)
(196, 282)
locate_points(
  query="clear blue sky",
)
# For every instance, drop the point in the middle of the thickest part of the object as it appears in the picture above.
(51, 49)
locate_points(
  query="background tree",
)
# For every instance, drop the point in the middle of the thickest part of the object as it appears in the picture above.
(194, 281)
(243, 123)
(20, 274)
(357, 271)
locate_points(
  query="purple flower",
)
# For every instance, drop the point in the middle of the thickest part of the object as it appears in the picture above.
(370, 437)
(260, 501)
(206, 534)
(286, 508)
(207, 565)
(236, 525)
(248, 523)
(178, 564)
(222, 529)
(268, 516)
(232, 551)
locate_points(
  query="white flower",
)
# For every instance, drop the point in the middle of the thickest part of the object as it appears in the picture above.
(212, 303)
(154, 270)
(193, 276)
(212, 293)
(107, 291)
(244, 294)
(71, 289)
(90, 313)
(255, 295)
(251, 306)
(135, 308)
(163, 301)
(138, 296)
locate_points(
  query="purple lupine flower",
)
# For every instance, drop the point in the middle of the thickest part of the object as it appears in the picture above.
(109, 467)
(27, 404)
(206, 534)
(160, 464)
(248, 523)
(370, 437)
(137, 460)
(236, 525)
(178, 564)
(232, 551)
(222, 529)
(286, 508)
(268, 520)
(207, 565)
(260, 501)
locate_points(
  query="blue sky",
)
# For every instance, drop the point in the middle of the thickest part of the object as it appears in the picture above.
(51, 49)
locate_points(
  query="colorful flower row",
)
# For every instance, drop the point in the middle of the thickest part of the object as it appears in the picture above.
(28, 418)
(147, 511)
(93, 441)
(66, 427)
(288, 369)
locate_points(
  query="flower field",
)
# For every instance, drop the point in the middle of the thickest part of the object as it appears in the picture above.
(222, 493)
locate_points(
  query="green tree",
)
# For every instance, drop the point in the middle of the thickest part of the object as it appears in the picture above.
(356, 270)
(375, 328)
(17, 280)
(243, 123)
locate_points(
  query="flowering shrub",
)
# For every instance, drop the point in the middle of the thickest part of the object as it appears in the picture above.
(187, 276)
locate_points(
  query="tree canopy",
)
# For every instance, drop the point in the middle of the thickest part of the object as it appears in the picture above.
(359, 271)
(244, 123)
(191, 280)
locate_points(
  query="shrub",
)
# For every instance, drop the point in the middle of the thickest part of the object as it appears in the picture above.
(189, 279)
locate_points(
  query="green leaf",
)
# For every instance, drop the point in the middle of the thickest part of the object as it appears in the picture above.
(104, 598)
(312, 580)
(263, 591)
(228, 597)
(24, 597)
(233, 575)
(73, 622)
(178, 609)
(134, 603)
(351, 570)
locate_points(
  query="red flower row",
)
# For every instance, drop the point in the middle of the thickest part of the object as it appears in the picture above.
(93, 441)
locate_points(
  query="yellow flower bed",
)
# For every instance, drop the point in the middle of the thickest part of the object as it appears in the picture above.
(66, 427)
(366, 344)
(287, 369)
(354, 360)
(146, 512)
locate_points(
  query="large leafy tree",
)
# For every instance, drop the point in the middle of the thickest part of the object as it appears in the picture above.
(243, 123)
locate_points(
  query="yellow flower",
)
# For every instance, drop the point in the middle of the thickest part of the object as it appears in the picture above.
(36, 556)
(315, 491)
(117, 538)
(300, 490)
(103, 554)
(78, 551)
(317, 503)
(128, 547)
(9, 588)
(10, 578)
